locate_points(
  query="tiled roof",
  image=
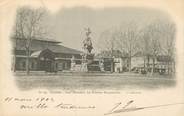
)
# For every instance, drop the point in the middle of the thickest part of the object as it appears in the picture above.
(63, 49)
(53, 47)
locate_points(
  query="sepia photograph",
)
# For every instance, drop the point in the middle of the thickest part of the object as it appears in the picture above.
(91, 58)
(86, 48)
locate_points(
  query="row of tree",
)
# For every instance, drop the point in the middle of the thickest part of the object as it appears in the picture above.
(153, 39)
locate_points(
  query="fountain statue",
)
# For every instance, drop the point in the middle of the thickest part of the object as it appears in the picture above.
(87, 43)
(87, 56)
(87, 62)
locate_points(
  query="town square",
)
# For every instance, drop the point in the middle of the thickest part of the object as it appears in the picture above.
(130, 54)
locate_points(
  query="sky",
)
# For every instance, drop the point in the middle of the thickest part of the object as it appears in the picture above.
(68, 24)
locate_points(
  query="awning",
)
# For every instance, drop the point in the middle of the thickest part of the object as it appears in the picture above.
(44, 53)
(36, 53)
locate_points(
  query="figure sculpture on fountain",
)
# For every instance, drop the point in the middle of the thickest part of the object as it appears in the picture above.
(87, 56)
(87, 62)
(87, 43)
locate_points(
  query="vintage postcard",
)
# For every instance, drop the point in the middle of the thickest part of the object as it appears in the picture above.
(91, 58)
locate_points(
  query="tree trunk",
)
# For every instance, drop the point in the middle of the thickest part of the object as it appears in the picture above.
(14, 60)
(27, 61)
(130, 64)
(148, 62)
(14, 63)
(153, 66)
(173, 67)
(168, 68)
(112, 66)
(144, 63)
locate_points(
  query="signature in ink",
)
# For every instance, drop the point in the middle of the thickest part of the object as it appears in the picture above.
(125, 108)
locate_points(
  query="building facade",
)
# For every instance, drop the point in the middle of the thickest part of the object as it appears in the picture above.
(45, 55)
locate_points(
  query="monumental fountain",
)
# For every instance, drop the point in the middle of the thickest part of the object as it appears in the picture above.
(87, 62)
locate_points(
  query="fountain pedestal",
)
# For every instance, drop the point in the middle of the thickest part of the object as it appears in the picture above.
(87, 62)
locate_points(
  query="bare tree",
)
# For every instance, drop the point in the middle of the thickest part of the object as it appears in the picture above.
(28, 26)
(158, 38)
(144, 48)
(168, 40)
(123, 38)
(128, 41)
(153, 32)
(108, 40)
